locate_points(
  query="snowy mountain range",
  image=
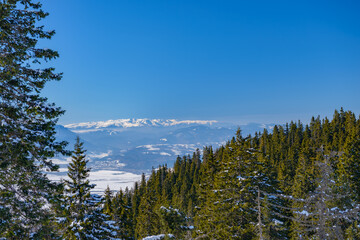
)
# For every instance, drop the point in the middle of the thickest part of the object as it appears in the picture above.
(132, 123)
(133, 146)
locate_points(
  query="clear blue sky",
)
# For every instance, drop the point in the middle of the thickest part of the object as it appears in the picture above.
(228, 60)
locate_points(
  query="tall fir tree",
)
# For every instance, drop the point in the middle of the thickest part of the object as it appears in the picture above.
(123, 215)
(147, 221)
(326, 210)
(83, 216)
(27, 122)
(203, 219)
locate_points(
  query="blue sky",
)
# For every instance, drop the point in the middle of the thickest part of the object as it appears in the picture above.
(262, 61)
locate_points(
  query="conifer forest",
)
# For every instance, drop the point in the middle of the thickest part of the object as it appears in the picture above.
(297, 181)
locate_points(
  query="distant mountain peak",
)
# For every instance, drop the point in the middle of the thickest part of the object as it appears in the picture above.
(132, 122)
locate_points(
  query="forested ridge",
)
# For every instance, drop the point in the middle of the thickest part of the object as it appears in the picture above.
(296, 182)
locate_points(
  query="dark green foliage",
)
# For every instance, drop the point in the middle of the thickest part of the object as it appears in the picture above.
(84, 216)
(122, 215)
(108, 205)
(100, 226)
(326, 208)
(77, 194)
(147, 222)
(27, 121)
(173, 221)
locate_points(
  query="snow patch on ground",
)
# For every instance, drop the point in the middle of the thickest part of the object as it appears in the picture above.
(63, 169)
(61, 161)
(149, 147)
(165, 154)
(158, 237)
(103, 178)
(99, 155)
(115, 179)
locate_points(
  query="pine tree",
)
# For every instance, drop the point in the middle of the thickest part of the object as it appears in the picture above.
(147, 221)
(77, 194)
(27, 122)
(173, 221)
(325, 209)
(203, 211)
(108, 205)
(235, 189)
(100, 226)
(123, 215)
(83, 212)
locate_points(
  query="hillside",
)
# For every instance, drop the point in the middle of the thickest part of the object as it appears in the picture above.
(296, 182)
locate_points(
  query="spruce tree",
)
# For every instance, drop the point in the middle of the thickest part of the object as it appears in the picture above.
(27, 121)
(83, 212)
(108, 204)
(327, 209)
(203, 219)
(173, 221)
(100, 226)
(147, 221)
(122, 215)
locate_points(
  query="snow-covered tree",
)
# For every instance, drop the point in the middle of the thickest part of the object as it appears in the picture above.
(100, 227)
(231, 210)
(83, 216)
(326, 209)
(27, 121)
(173, 221)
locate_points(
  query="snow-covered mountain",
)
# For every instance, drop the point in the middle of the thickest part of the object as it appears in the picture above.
(133, 146)
(132, 123)
(138, 144)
